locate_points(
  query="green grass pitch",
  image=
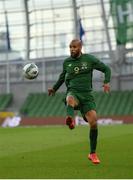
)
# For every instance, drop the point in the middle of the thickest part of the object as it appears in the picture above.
(55, 152)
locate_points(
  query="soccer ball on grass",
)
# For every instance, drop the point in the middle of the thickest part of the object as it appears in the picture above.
(30, 71)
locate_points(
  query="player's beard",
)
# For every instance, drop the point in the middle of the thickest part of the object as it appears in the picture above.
(75, 54)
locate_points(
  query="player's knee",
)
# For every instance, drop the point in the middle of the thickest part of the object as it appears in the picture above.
(93, 124)
(92, 118)
(70, 100)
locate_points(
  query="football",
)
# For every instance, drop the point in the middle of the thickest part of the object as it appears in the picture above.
(30, 71)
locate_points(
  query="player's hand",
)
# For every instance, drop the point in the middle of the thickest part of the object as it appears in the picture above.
(51, 92)
(106, 88)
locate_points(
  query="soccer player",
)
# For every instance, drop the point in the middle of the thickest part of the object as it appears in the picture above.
(77, 75)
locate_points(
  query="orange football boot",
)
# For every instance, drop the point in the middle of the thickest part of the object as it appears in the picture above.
(70, 122)
(94, 158)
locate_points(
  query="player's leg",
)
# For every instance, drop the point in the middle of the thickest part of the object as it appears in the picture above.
(91, 117)
(71, 102)
(92, 120)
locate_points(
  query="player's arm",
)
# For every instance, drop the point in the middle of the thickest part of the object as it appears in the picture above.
(56, 86)
(100, 66)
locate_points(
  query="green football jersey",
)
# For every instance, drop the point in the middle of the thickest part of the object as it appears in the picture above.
(77, 73)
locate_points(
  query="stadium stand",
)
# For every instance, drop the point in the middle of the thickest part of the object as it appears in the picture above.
(5, 100)
(113, 104)
(40, 105)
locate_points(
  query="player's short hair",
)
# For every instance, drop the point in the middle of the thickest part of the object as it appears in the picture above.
(77, 41)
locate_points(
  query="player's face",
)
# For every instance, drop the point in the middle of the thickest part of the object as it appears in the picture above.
(75, 49)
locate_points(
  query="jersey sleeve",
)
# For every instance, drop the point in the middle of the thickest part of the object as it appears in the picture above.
(60, 80)
(100, 66)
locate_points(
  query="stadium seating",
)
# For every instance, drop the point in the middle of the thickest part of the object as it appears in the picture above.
(114, 103)
(41, 105)
(5, 100)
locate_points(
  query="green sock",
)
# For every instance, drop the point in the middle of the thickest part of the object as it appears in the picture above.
(70, 111)
(93, 139)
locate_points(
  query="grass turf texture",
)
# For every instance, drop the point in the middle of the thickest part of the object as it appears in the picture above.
(57, 152)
